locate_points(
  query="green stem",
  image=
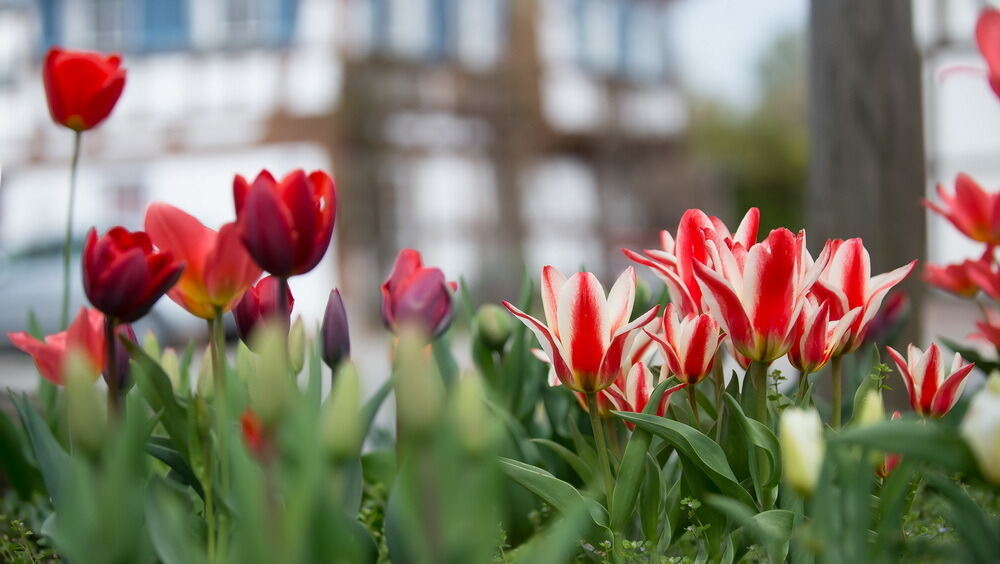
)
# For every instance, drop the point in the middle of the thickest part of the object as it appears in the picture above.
(758, 373)
(718, 374)
(216, 339)
(68, 240)
(693, 402)
(600, 443)
(111, 370)
(803, 387)
(210, 502)
(838, 390)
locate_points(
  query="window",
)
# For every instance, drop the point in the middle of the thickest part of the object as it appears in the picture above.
(164, 25)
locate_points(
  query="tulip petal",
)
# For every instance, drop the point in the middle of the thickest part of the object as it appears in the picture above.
(621, 298)
(266, 230)
(551, 347)
(725, 305)
(904, 372)
(552, 282)
(583, 323)
(949, 392)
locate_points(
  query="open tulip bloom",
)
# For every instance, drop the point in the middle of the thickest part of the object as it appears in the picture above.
(689, 344)
(952, 278)
(85, 335)
(585, 334)
(971, 209)
(218, 269)
(674, 261)
(817, 338)
(933, 389)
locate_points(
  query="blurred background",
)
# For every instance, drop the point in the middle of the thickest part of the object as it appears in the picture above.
(497, 134)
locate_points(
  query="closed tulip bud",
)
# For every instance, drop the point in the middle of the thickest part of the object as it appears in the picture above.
(82, 87)
(472, 422)
(493, 326)
(151, 345)
(259, 304)
(981, 429)
(297, 346)
(416, 295)
(342, 432)
(270, 387)
(419, 389)
(172, 367)
(123, 276)
(335, 335)
(801, 437)
(206, 379)
(246, 362)
(86, 417)
(123, 366)
(871, 410)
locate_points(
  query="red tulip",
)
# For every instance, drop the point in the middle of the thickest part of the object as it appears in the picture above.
(891, 460)
(260, 302)
(817, 338)
(286, 226)
(847, 284)
(757, 293)
(633, 393)
(123, 276)
(85, 335)
(218, 269)
(416, 295)
(586, 335)
(984, 275)
(989, 327)
(689, 344)
(971, 209)
(933, 389)
(674, 261)
(988, 39)
(952, 278)
(82, 87)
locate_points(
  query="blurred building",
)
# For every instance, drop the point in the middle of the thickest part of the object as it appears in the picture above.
(486, 133)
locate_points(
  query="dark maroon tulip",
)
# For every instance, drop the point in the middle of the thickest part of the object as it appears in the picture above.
(416, 295)
(286, 226)
(335, 333)
(123, 276)
(260, 302)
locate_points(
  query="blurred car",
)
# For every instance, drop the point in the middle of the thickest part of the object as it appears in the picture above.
(31, 282)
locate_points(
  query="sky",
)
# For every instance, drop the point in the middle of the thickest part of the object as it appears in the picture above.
(719, 42)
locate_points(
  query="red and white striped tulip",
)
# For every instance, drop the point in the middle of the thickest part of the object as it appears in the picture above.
(971, 209)
(689, 344)
(756, 294)
(989, 327)
(633, 394)
(933, 389)
(586, 335)
(847, 283)
(984, 275)
(674, 261)
(952, 278)
(816, 337)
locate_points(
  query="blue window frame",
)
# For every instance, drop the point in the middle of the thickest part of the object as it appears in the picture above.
(164, 25)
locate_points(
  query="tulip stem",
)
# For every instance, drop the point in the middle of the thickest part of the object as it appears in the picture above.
(838, 390)
(283, 313)
(758, 375)
(803, 387)
(111, 369)
(693, 401)
(600, 443)
(719, 375)
(216, 339)
(68, 240)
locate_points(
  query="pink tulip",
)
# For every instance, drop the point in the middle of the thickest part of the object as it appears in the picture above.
(756, 294)
(817, 338)
(933, 390)
(971, 209)
(585, 334)
(674, 261)
(689, 344)
(847, 284)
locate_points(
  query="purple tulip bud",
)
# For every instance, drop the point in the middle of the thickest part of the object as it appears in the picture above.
(335, 334)
(122, 368)
(260, 302)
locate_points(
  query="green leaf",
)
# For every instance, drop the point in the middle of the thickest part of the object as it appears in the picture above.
(169, 456)
(15, 466)
(557, 493)
(370, 409)
(570, 457)
(52, 460)
(925, 441)
(772, 528)
(979, 535)
(170, 528)
(650, 507)
(761, 437)
(695, 446)
(630, 473)
(159, 393)
(441, 347)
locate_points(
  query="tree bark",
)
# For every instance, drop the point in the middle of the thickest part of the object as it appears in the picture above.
(866, 171)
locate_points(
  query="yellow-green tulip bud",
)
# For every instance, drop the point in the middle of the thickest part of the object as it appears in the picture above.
(871, 410)
(151, 345)
(981, 429)
(471, 419)
(271, 386)
(206, 378)
(297, 346)
(802, 446)
(86, 416)
(493, 326)
(419, 389)
(341, 425)
(171, 365)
